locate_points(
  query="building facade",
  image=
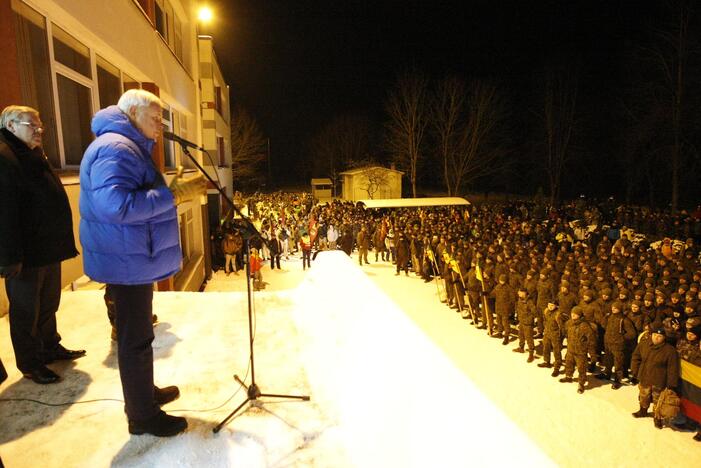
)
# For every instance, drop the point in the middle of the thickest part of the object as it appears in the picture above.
(70, 58)
(371, 182)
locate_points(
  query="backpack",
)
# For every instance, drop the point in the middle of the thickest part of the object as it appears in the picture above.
(668, 404)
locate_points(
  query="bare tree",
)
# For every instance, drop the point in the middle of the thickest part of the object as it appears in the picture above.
(376, 180)
(561, 89)
(343, 143)
(446, 114)
(467, 125)
(671, 54)
(408, 118)
(248, 146)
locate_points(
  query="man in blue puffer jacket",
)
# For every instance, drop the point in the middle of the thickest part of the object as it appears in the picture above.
(129, 233)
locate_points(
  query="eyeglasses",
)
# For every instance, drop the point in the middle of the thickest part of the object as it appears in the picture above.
(34, 127)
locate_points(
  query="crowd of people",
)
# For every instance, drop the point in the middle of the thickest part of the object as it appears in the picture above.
(622, 305)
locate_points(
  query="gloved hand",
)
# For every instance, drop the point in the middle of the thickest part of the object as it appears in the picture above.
(10, 271)
(186, 189)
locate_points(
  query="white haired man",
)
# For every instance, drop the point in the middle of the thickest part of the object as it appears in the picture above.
(129, 233)
(36, 234)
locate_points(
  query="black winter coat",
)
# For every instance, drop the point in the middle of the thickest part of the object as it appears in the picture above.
(36, 226)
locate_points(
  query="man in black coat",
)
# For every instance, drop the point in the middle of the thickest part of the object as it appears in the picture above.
(36, 234)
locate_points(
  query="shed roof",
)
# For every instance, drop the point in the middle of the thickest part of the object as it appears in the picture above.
(414, 202)
(321, 181)
(360, 170)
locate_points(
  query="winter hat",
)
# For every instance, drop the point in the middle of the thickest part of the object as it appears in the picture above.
(659, 331)
(617, 305)
(502, 278)
(576, 310)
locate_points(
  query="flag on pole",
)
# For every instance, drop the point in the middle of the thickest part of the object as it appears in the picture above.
(478, 273)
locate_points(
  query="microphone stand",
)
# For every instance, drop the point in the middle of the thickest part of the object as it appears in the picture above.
(249, 231)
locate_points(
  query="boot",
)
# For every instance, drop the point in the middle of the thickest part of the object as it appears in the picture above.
(530, 356)
(697, 437)
(160, 425)
(641, 413)
(580, 389)
(556, 372)
(658, 423)
(603, 376)
(591, 368)
(505, 341)
(616, 381)
(566, 379)
(545, 365)
(518, 350)
(497, 335)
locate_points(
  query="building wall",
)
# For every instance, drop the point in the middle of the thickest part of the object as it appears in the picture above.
(216, 128)
(122, 34)
(354, 186)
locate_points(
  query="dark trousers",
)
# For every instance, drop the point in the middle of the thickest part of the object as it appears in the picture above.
(133, 307)
(34, 297)
(274, 260)
(306, 258)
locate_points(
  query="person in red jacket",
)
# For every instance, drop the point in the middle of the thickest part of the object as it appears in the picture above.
(256, 265)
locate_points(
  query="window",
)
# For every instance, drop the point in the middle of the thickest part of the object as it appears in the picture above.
(35, 72)
(108, 84)
(178, 34)
(129, 82)
(170, 35)
(187, 234)
(217, 99)
(221, 151)
(168, 153)
(75, 104)
(161, 20)
(71, 52)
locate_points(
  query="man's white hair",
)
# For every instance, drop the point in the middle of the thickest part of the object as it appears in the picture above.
(138, 98)
(14, 112)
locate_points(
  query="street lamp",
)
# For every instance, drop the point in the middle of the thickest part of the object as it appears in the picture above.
(205, 14)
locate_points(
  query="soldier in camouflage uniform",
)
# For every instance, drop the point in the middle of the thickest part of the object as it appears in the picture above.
(525, 313)
(552, 338)
(580, 342)
(619, 330)
(504, 297)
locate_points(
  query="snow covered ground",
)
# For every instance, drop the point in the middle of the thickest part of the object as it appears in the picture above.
(396, 380)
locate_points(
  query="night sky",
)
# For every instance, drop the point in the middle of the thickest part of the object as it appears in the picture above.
(295, 65)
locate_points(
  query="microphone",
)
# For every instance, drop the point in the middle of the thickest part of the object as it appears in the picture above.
(186, 143)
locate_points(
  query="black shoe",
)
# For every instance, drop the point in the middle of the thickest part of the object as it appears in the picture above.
(160, 425)
(556, 372)
(658, 423)
(697, 437)
(165, 395)
(545, 364)
(603, 376)
(566, 379)
(42, 375)
(505, 341)
(641, 413)
(591, 368)
(616, 385)
(633, 381)
(59, 353)
(580, 389)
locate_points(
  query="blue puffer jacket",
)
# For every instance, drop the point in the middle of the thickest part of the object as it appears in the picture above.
(129, 224)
